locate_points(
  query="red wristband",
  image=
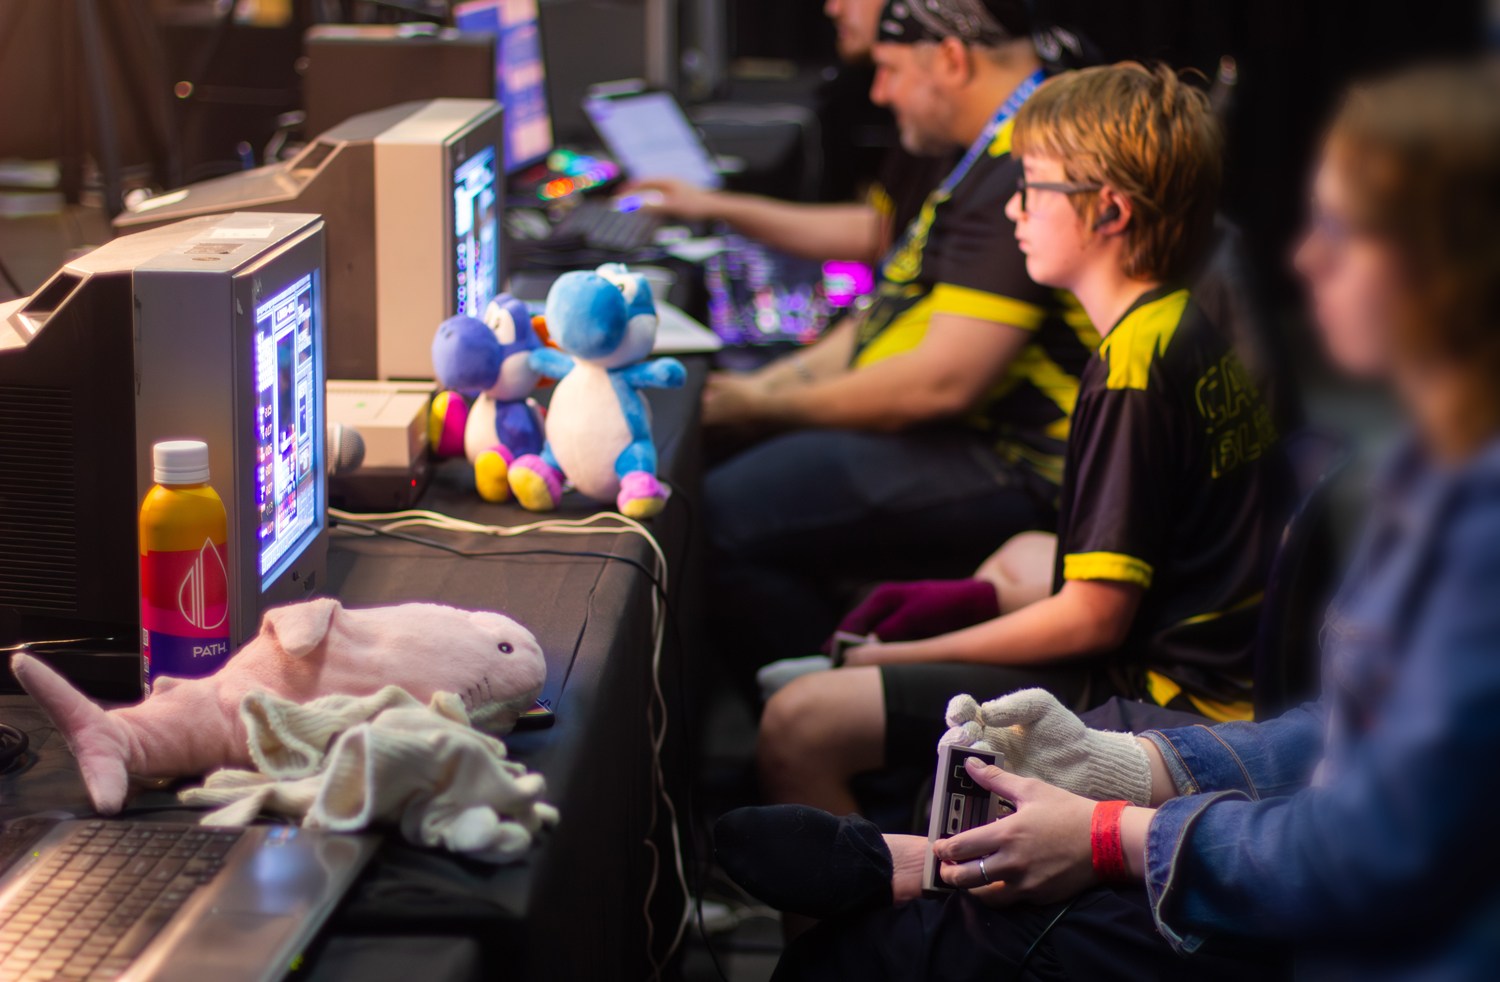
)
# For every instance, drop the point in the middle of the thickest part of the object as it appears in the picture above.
(1107, 843)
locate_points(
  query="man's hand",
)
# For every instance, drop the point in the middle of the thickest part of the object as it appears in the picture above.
(1040, 854)
(730, 400)
(678, 199)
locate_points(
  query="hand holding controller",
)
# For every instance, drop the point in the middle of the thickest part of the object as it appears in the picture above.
(1041, 738)
(959, 803)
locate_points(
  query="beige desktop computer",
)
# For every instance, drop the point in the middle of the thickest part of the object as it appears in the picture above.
(410, 198)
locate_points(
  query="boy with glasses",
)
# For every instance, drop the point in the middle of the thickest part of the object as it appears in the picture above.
(1168, 510)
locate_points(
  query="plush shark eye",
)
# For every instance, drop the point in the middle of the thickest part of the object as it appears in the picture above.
(506, 647)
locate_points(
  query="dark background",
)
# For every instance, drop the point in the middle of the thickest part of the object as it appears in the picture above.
(1294, 58)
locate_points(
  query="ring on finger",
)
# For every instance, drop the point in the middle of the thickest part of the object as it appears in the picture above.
(982, 874)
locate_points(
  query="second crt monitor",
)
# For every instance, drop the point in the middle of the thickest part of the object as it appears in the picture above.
(435, 162)
(410, 198)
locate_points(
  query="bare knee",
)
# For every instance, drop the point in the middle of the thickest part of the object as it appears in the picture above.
(795, 723)
(829, 723)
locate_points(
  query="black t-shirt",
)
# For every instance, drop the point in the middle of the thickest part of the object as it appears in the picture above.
(904, 182)
(1174, 482)
(959, 255)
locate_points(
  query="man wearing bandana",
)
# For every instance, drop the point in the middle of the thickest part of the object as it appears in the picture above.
(854, 231)
(931, 429)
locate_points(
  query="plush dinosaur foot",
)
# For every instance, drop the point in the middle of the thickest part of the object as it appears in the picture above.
(492, 473)
(99, 742)
(641, 495)
(536, 483)
(445, 424)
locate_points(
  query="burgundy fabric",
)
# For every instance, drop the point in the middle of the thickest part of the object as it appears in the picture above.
(922, 609)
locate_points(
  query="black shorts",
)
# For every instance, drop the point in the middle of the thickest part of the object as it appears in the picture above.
(916, 698)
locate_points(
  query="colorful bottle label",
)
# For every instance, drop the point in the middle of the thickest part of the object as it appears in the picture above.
(185, 611)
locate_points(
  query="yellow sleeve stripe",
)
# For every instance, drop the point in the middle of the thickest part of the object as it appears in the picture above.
(967, 302)
(1000, 145)
(1163, 690)
(1107, 566)
(901, 335)
(1146, 332)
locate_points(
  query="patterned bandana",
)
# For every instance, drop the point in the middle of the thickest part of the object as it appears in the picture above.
(971, 21)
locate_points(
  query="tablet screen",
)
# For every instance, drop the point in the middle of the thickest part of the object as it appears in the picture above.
(650, 137)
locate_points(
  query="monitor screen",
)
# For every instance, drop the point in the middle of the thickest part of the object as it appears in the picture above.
(759, 296)
(288, 471)
(476, 234)
(651, 137)
(520, 74)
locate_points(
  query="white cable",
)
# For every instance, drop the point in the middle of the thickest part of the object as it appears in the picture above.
(391, 521)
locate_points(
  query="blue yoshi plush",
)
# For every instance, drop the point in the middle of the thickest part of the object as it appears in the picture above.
(598, 426)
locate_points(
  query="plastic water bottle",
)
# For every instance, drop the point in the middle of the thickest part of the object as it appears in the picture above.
(184, 567)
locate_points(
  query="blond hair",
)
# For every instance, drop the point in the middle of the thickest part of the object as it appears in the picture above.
(1149, 137)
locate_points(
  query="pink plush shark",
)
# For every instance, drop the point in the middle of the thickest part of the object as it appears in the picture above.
(303, 651)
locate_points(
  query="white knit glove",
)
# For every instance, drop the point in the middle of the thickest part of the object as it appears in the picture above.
(289, 740)
(423, 768)
(444, 783)
(1042, 739)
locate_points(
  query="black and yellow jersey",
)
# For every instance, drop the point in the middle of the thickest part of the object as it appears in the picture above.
(959, 256)
(903, 184)
(1174, 482)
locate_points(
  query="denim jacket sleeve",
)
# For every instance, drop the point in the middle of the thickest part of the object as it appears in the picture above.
(1264, 760)
(1402, 836)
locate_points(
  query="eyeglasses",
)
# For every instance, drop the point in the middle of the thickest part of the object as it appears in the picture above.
(1061, 187)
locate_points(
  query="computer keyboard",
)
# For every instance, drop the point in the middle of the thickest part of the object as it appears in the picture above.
(601, 227)
(99, 899)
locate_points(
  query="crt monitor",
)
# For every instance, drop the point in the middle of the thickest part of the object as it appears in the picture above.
(520, 74)
(408, 195)
(208, 329)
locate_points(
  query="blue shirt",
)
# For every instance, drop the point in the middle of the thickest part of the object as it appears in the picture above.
(1387, 866)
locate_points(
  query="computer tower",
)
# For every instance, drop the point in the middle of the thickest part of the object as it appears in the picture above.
(174, 333)
(386, 184)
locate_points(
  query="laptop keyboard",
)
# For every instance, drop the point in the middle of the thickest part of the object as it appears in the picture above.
(601, 227)
(98, 899)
